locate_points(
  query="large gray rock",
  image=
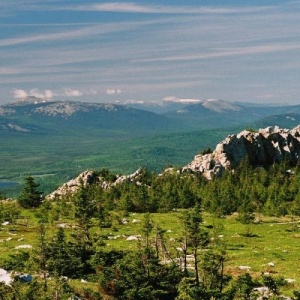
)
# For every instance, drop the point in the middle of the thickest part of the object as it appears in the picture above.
(72, 186)
(264, 147)
(90, 177)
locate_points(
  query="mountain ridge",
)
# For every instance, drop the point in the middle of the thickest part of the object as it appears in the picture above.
(188, 114)
(58, 114)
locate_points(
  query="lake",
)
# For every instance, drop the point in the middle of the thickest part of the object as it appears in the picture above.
(5, 184)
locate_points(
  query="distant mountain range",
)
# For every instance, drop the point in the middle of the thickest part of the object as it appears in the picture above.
(218, 113)
(37, 116)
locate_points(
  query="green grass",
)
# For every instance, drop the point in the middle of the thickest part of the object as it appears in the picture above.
(253, 245)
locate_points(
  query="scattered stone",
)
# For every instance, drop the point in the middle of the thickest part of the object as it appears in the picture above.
(271, 264)
(263, 291)
(132, 238)
(5, 277)
(190, 257)
(289, 280)
(23, 247)
(62, 225)
(245, 268)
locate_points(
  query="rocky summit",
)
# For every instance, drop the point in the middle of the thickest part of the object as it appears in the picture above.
(262, 148)
(90, 177)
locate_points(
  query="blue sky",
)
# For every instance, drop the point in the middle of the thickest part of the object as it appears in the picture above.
(102, 51)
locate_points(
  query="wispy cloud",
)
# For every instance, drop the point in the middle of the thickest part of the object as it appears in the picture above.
(150, 51)
(87, 31)
(9, 71)
(118, 7)
(227, 52)
(131, 7)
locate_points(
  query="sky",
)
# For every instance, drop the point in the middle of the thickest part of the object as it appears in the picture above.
(108, 51)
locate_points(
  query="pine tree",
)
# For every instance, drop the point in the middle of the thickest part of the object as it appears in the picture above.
(30, 196)
(195, 234)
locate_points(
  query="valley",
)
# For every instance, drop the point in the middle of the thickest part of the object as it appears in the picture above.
(65, 138)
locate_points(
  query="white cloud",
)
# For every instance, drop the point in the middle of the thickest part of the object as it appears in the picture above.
(46, 94)
(72, 93)
(113, 91)
(181, 100)
(18, 94)
(134, 102)
(49, 94)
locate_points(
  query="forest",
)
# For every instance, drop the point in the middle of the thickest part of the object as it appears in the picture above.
(78, 248)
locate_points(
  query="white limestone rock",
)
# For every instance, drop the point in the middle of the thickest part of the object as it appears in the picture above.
(264, 147)
(90, 177)
(72, 186)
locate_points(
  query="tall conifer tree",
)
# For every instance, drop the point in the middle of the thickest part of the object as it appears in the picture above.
(30, 196)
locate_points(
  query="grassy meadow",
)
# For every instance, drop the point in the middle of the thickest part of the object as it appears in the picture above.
(268, 246)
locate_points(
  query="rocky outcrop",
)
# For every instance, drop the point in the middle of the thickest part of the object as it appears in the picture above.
(264, 147)
(72, 186)
(90, 177)
(134, 177)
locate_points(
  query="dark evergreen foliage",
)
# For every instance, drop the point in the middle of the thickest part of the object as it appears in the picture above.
(30, 196)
